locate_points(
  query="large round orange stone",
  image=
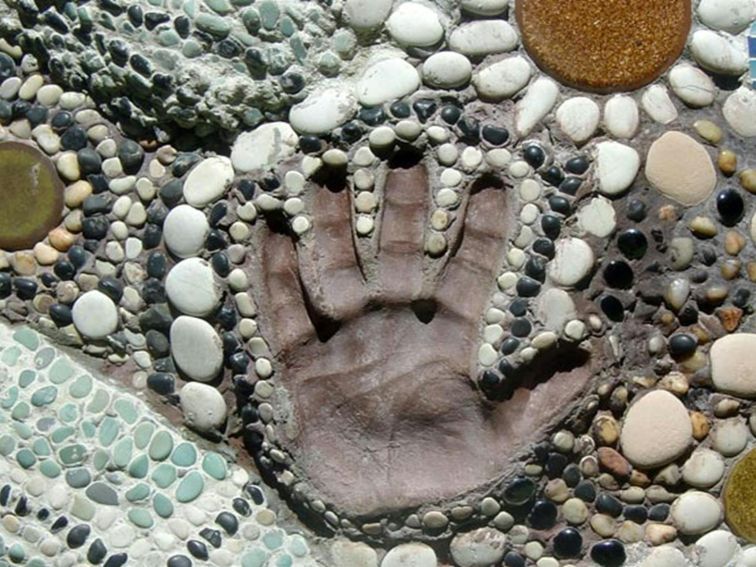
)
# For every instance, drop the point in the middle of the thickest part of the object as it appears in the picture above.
(604, 45)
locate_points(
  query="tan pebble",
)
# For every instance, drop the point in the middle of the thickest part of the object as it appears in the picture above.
(726, 407)
(701, 425)
(727, 162)
(717, 293)
(675, 382)
(45, 254)
(708, 131)
(668, 213)
(629, 532)
(734, 242)
(603, 525)
(606, 430)
(730, 318)
(668, 476)
(4, 261)
(694, 363)
(701, 334)
(608, 482)
(730, 268)
(633, 495)
(72, 222)
(703, 227)
(557, 491)
(440, 219)
(42, 303)
(23, 263)
(657, 494)
(436, 245)
(75, 194)
(68, 166)
(658, 534)
(610, 460)
(680, 168)
(61, 239)
(751, 270)
(748, 180)
(575, 511)
(639, 478)
(589, 466)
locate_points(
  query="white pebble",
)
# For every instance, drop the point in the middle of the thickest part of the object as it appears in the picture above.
(203, 406)
(196, 348)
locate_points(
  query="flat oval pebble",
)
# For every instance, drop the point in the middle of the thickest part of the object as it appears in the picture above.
(484, 7)
(264, 147)
(716, 53)
(208, 181)
(502, 79)
(740, 111)
(732, 368)
(715, 549)
(191, 287)
(656, 411)
(694, 87)
(366, 14)
(203, 406)
(578, 118)
(695, 513)
(617, 166)
(540, 98)
(185, 230)
(732, 16)
(323, 110)
(478, 548)
(446, 70)
(481, 38)
(658, 104)
(410, 555)
(95, 315)
(665, 556)
(415, 24)
(703, 469)
(196, 348)
(387, 80)
(681, 169)
(572, 262)
(621, 116)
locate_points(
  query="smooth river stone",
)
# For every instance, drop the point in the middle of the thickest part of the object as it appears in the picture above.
(203, 406)
(680, 168)
(732, 364)
(617, 166)
(196, 348)
(323, 110)
(191, 287)
(366, 14)
(415, 25)
(573, 261)
(387, 80)
(695, 512)
(410, 555)
(264, 147)
(654, 412)
(185, 230)
(95, 315)
(479, 548)
(208, 181)
(481, 38)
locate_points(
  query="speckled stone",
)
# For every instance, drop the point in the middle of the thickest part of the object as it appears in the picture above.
(740, 498)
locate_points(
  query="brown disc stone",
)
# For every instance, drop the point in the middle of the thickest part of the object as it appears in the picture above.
(31, 196)
(740, 498)
(604, 45)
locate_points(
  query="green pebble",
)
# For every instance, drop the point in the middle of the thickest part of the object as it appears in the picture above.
(88, 429)
(168, 38)
(7, 445)
(142, 434)
(44, 396)
(27, 337)
(100, 459)
(164, 475)
(109, 428)
(298, 546)
(10, 399)
(191, 8)
(273, 539)
(122, 452)
(287, 26)
(22, 430)
(26, 377)
(26, 458)
(99, 402)
(221, 7)
(242, 2)
(126, 410)
(138, 467)
(44, 357)
(72, 454)
(269, 14)
(81, 387)
(102, 494)
(191, 49)
(50, 468)
(41, 448)
(162, 505)
(254, 558)
(62, 433)
(212, 24)
(284, 561)
(214, 465)
(36, 562)
(68, 413)
(140, 518)
(184, 455)
(78, 478)
(297, 46)
(16, 553)
(10, 355)
(21, 411)
(138, 492)
(161, 446)
(82, 508)
(190, 487)
(251, 20)
(60, 371)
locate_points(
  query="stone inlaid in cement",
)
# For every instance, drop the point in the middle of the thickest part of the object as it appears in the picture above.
(740, 498)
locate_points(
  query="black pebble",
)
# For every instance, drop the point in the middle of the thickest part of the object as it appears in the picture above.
(544, 515)
(228, 522)
(156, 265)
(518, 307)
(636, 210)
(572, 475)
(586, 491)
(78, 256)
(612, 308)
(7, 67)
(632, 243)
(59, 524)
(309, 145)
(61, 121)
(131, 156)
(520, 327)
(220, 264)
(372, 116)
(217, 213)
(152, 236)
(36, 115)
(570, 185)
(730, 206)
(469, 127)
(608, 504)
(568, 543)
(64, 269)
(197, 549)
(741, 298)
(424, 108)
(74, 138)
(637, 514)
(535, 268)
(179, 561)
(519, 491)
(351, 132)
(89, 161)
(400, 109)
(172, 192)
(117, 560)
(157, 343)
(682, 344)
(553, 176)
(161, 383)
(96, 552)
(25, 288)
(534, 155)
(241, 507)
(551, 226)
(111, 287)
(609, 553)
(618, 274)
(183, 163)
(22, 507)
(544, 247)
(509, 345)
(658, 512)
(153, 291)
(97, 204)
(95, 228)
(255, 494)
(577, 165)
(78, 535)
(514, 559)
(495, 135)
(528, 287)
(61, 314)
(451, 113)
(555, 465)
(212, 536)
(560, 205)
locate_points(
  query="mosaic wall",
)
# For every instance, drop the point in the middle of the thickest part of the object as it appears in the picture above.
(349, 283)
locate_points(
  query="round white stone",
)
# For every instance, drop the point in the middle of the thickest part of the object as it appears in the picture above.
(740, 111)
(732, 368)
(555, 309)
(387, 80)
(366, 14)
(573, 261)
(196, 348)
(729, 437)
(732, 16)
(446, 70)
(703, 469)
(95, 315)
(484, 37)
(478, 548)
(203, 406)
(598, 217)
(748, 558)
(410, 555)
(578, 118)
(323, 110)
(502, 79)
(540, 98)
(665, 556)
(191, 287)
(617, 167)
(621, 117)
(185, 230)
(696, 513)
(716, 53)
(208, 181)
(715, 549)
(694, 87)
(654, 412)
(415, 25)
(658, 105)
(485, 7)
(264, 147)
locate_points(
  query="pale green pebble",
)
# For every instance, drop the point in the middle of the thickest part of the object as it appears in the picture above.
(88, 428)
(252, 117)
(142, 434)
(78, 478)
(122, 452)
(221, 7)
(251, 20)
(212, 24)
(254, 558)
(164, 475)
(298, 546)
(100, 459)
(68, 413)
(44, 357)
(300, 51)
(102, 494)
(269, 13)
(138, 467)
(61, 434)
(140, 518)
(126, 410)
(44, 396)
(16, 553)
(36, 562)
(162, 505)
(138, 492)
(82, 508)
(161, 446)
(190, 487)
(191, 49)
(49, 468)
(109, 428)
(21, 411)
(287, 26)
(284, 561)
(81, 387)
(27, 337)
(168, 38)
(22, 430)
(60, 371)
(41, 448)
(26, 377)
(214, 465)
(190, 7)
(273, 539)
(10, 355)
(7, 445)
(10, 399)
(242, 2)
(26, 458)
(246, 39)
(184, 455)
(99, 402)
(72, 454)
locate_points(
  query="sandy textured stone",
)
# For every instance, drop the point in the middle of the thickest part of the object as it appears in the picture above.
(681, 169)
(479, 548)
(732, 364)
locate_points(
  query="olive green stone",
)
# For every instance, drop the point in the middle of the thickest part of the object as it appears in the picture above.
(81, 387)
(24, 335)
(164, 475)
(161, 446)
(62, 433)
(122, 452)
(162, 505)
(99, 402)
(41, 448)
(49, 468)
(109, 428)
(44, 357)
(126, 410)
(190, 487)
(72, 454)
(138, 492)
(26, 378)
(7, 445)
(138, 467)
(214, 465)
(78, 478)
(44, 396)
(21, 411)
(140, 518)
(26, 458)
(102, 494)
(60, 371)
(82, 508)
(184, 455)
(740, 498)
(142, 434)
(68, 413)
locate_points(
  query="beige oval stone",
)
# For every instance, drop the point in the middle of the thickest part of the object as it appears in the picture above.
(732, 368)
(641, 441)
(681, 169)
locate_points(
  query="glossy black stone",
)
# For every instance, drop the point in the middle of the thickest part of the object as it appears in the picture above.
(131, 156)
(247, 187)
(97, 204)
(632, 243)
(7, 67)
(111, 287)
(255, 493)
(228, 522)
(741, 298)
(572, 475)
(25, 288)
(212, 536)
(220, 263)
(240, 505)
(43, 514)
(61, 121)
(570, 185)
(553, 176)
(74, 139)
(520, 327)
(117, 560)
(551, 226)
(528, 287)
(153, 291)
(59, 524)
(509, 345)
(519, 492)
(64, 269)
(730, 206)
(172, 192)
(309, 145)
(157, 343)
(451, 113)
(61, 314)
(183, 26)
(636, 210)
(514, 559)
(89, 161)
(400, 109)
(568, 543)
(372, 116)
(157, 317)
(161, 383)
(96, 552)
(197, 549)
(609, 553)
(217, 213)
(682, 344)
(238, 362)
(22, 507)
(179, 561)
(608, 504)
(151, 236)
(543, 516)
(78, 535)
(658, 512)
(156, 265)
(586, 491)
(637, 514)
(36, 115)
(577, 165)
(555, 465)
(534, 155)
(95, 228)
(544, 247)
(618, 274)
(560, 205)
(495, 135)
(535, 268)
(291, 81)
(469, 128)
(136, 15)
(351, 132)
(424, 108)
(518, 307)
(157, 213)
(5, 493)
